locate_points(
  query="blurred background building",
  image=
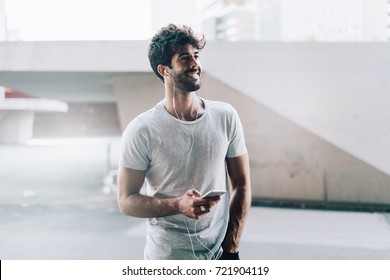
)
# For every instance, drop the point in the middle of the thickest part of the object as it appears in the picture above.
(6, 34)
(263, 20)
(299, 20)
(326, 21)
(3, 22)
(228, 19)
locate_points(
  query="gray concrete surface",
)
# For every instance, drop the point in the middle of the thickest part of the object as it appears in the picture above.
(52, 206)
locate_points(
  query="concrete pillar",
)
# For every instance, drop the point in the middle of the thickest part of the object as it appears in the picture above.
(136, 93)
(16, 127)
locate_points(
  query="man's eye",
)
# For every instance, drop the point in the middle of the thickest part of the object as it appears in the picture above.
(187, 57)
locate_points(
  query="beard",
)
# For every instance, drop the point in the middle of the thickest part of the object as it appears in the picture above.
(185, 82)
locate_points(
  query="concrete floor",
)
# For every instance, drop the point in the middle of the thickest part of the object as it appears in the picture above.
(53, 206)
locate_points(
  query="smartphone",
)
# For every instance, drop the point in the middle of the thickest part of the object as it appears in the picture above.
(213, 193)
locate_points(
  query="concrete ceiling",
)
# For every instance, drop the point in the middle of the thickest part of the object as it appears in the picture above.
(65, 86)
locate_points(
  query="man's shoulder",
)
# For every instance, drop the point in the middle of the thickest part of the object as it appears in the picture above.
(144, 119)
(220, 107)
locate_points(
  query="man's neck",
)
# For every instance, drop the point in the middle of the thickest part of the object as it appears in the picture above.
(184, 106)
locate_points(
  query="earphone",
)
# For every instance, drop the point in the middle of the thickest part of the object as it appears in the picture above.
(189, 172)
(190, 175)
(174, 92)
(173, 97)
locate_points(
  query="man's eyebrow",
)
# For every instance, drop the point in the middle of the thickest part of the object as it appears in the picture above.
(187, 53)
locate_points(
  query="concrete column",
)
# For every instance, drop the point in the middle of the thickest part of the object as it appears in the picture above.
(136, 93)
(16, 127)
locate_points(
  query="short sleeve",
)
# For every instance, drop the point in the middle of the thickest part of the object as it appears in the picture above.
(134, 151)
(236, 137)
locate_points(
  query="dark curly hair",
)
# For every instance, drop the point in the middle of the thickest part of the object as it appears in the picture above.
(167, 41)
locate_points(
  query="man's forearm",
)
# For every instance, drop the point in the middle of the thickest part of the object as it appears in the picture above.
(141, 206)
(239, 208)
(190, 204)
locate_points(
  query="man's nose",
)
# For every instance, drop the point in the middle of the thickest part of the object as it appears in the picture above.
(194, 62)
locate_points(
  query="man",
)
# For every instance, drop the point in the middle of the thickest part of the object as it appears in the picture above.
(182, 148)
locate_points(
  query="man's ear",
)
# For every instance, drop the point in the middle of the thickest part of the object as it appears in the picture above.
(162, 70)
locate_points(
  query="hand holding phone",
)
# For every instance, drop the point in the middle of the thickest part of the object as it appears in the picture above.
(213, 193)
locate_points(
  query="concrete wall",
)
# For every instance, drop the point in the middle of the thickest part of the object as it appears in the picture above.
(289, 162)
(339, 91)
(73, 56)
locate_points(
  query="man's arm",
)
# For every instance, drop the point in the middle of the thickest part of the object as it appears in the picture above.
(132, 203)
(240, 202)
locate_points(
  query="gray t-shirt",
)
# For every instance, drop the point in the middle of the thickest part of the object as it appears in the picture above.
(178, 156)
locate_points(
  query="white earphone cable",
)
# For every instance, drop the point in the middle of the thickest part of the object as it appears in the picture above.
(190, 175)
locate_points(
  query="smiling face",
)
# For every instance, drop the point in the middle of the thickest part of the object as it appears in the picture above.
(186, 68)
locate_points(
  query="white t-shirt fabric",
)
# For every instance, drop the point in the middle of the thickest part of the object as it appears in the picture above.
(178, 156)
